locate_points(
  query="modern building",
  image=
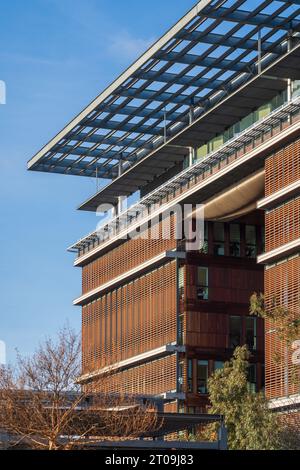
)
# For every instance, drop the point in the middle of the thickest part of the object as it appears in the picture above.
(208, 116)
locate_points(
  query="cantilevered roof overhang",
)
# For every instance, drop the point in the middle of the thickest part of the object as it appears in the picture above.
(218, 63)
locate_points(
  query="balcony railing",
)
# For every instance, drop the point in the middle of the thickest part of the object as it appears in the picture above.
(235, 148)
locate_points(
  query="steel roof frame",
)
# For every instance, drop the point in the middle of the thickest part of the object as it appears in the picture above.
(151, 102)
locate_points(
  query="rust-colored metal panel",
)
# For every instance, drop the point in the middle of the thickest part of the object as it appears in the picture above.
(282, 168)
(152, 378)
(131, 320)
(282, 287)
(127, 256)
(282, 224)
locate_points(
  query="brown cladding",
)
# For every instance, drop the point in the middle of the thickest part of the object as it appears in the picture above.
(152, 378)
(283, 224)
(282, 168)
(282, 287)
(127, 256)
(131, 320)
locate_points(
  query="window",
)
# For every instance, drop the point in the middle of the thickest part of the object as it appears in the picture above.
(235, 329)
(219, 238)
(251, 325)
(190, 375)
(251, 248)
(202, 376)
(218, 365)
(204, 248)
(202, 283)
(235, 240)
(181, 329)
(252, 378)
(181, 282)
(180, 376)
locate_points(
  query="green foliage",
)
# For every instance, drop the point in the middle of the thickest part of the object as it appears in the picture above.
(285, 321)
(249, 422)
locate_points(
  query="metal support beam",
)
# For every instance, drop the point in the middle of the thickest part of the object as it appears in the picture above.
(231, 41)
(126, 127)
(154, 95)
(188, 80)
(245, 17)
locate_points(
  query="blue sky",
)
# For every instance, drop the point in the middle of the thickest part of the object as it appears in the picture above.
(55, 57)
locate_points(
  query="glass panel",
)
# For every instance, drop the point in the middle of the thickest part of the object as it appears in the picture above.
(180, 376)
(251, 325)
(217, 142)
(219, 239)
(263, 111)
(190, 375)
(218, 365)
(181, 282)
(186, 162)
(235, 240)
(246, 122)
(251, 248)
(204, 249)
(296, 88)
(252, 378)
(202, 274)
(202, 283)
(202, 152)
(202, 376)
(235, 328)
(180, 329)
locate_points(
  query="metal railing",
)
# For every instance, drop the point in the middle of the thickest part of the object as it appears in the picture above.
(235, 148)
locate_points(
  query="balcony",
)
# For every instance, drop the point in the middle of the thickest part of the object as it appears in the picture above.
(183, 184)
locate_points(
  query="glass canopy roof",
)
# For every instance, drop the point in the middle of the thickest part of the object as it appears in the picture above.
(217, 47)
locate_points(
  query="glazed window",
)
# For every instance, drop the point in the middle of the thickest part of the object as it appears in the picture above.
(204, 248)
(251, 327)
(251, 248)
(219, 238)
(252, 378)
(202, 376)
(180, 376)
(181, 329)
(190, 375)
(181, 282)
(218, 365)
(235, 330)
(235, 240)
(202, 283)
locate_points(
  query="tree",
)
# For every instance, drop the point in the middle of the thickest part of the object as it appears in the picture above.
(43, 407)
(250, 424)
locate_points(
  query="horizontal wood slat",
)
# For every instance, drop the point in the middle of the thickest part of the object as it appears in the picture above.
(282, 168)
(133, 319)
(128, 255)
(282, 224)
(282, 287)
(151, 378)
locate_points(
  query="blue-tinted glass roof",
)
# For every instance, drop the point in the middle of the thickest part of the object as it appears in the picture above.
(192, 66)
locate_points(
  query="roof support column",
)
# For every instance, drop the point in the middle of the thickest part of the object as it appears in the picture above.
(259, 49)
(191, 112)
(120, 198)
(289, 81)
